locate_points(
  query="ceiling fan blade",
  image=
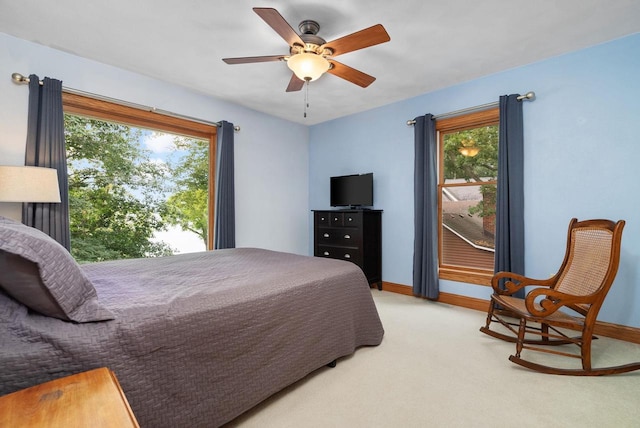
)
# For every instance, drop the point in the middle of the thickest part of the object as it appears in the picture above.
(279, 24)
(295, 84)
(350, 74)
(359, 40)
(250, 59)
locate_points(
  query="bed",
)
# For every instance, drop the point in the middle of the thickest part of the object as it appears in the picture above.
(194, 339)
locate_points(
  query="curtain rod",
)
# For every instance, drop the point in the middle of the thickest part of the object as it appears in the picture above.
(530, 96)
(21, 79)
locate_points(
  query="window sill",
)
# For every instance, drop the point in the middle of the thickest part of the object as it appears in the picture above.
(478, 278)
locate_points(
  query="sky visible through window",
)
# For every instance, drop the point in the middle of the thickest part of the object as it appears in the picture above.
(164, 150)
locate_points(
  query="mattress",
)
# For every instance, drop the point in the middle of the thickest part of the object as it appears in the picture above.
(198, 338)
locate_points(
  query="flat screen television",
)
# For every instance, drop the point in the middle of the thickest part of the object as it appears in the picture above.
(352, 190)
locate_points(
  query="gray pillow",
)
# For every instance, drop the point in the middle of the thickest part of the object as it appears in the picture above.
(20, 278)
(41, 274)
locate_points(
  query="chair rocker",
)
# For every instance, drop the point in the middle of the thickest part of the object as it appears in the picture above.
(571, 299)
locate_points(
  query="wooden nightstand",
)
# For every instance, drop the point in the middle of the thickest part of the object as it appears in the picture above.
(90, 399)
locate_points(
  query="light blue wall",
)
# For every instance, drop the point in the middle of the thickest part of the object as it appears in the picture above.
(582, 154)
(271, 154)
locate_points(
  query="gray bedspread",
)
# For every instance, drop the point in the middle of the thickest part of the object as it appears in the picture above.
(198, 338)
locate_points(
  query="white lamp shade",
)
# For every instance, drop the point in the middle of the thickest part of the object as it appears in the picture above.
(308, 66)
(28, 184)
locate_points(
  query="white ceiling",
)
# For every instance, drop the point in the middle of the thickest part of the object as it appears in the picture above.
(434, 44)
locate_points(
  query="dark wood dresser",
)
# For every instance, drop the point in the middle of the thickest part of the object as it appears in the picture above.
(353, 235)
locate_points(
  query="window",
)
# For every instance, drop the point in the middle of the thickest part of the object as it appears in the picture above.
(104, 121)
(467, 183)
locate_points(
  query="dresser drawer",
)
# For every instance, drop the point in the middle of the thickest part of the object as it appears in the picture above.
(322, 218)
(351, 219)
(351, 254)
(339, 236)
(338, 219)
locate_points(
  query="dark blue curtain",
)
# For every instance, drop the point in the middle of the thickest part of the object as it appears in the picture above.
(509, 239)
(46, 148)
(425, 252)
(225, 211)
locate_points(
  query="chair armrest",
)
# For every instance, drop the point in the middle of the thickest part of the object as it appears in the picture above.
(551, 301)
(515, 282)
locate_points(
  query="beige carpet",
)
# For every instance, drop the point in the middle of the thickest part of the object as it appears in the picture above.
(435, 369)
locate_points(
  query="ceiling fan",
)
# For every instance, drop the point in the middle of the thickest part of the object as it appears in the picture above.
(310, 56)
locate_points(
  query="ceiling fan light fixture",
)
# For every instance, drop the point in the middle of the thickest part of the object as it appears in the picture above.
(308, 66)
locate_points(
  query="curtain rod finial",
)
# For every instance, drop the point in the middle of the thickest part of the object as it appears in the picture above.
(530, 95)
(19, 78)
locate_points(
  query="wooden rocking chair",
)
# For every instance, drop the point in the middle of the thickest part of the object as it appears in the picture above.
(585, 276)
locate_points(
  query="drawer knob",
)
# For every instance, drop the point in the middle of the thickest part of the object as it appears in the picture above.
(335, 219)
(322, 218)
(326, 253)
(350, 219)
(326, 235)
(347, 236)
(347, 256)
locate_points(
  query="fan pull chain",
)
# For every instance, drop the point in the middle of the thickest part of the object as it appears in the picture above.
(306, 97)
